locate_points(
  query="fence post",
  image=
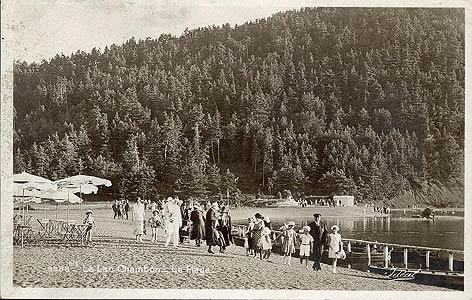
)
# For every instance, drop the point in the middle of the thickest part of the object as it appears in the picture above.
(385, 255)
(349, 246)
(451, 262)
(405, 257)
(368, 255)
(427, 259)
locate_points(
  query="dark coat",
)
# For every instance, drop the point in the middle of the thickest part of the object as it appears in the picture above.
(225, 229)
(319, 233)
(210, 228)
(198, 225)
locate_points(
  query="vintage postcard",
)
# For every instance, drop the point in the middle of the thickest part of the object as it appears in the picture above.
(249, 149)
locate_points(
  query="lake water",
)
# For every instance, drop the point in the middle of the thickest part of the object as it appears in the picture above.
(445, 232)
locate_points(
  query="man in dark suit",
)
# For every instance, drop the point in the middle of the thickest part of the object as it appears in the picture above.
(319, 232)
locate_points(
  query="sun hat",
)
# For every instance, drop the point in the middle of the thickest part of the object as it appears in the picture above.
(306, 227)
(291, 223)
(335, 227)
(215, 205)
(259, 216)
(89, 211)
(169, 199)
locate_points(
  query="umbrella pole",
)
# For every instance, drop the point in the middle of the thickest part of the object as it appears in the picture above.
(23, 206)
(80, 203)
(56, 209)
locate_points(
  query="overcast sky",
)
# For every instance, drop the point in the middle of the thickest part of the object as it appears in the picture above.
(42, 29)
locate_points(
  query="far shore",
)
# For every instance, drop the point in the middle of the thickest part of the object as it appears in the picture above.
(242, 213)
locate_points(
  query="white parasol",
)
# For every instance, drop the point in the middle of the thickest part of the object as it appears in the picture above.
(83, 184)
(27, 186)
(61, 196)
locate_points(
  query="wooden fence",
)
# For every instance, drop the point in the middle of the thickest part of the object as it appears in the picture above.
(367, 249)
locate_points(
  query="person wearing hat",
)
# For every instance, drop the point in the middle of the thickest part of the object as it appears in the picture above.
(197, 232)
(224, 226)
(248, 241)
(266, 243)
(155, 221)
(173, 222)
(138, 220)
(90, 222)
(319, 233)
(306, 246)
(257, 233)
(211, 233)
(289, 240)
(335, 246)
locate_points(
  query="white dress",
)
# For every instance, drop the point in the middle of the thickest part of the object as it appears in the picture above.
(138, 218)
(334, 241)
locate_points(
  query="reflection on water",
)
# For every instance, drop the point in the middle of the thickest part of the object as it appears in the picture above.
(444, 232)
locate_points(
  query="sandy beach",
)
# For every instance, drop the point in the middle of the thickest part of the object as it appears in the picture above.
(116, 261)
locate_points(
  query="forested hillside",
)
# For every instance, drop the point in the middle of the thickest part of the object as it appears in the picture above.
(321, 101)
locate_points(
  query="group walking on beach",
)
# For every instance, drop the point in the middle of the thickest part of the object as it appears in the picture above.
(312, 240)
(184, 221)
(211, 223)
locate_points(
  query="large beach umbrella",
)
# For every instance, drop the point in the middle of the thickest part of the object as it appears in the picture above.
(83, 180)
(27, 185)
(61, 196)
(25, 177)
(83, 184)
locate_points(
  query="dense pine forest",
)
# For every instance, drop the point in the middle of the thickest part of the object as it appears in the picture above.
(319, 101)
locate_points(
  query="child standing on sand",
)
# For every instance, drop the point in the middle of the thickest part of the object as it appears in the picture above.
(248, 242)
(266, 243)
(306, 246)
(90, 222)
(155, 222)
(335, 246)
(289, 236)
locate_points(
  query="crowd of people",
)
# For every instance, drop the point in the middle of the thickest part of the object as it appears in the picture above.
(312, 240)
(120, 209)
(184, 222)
(212, 223)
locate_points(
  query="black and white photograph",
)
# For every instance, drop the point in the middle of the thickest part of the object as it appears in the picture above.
(216, 149)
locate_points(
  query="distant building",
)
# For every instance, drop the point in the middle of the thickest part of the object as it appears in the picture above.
(343, 201)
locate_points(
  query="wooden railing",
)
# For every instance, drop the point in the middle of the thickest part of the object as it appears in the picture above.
(406, 248)
(240, 230)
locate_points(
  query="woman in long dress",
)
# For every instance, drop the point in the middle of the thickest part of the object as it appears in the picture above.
(173, 221)
(198, 225)
(289, 239)
(256, 233)
(211, 233)
(138, 220)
